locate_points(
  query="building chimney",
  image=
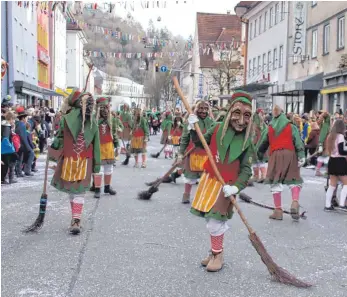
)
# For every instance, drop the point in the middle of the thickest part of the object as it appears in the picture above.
(228, 11)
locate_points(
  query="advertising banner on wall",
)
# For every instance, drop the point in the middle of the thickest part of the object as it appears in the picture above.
(299, 29)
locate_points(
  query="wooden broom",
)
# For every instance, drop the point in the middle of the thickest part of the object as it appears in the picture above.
(279, 274)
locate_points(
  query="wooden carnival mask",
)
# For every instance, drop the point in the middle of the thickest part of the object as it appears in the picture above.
(240, 117)
(203, 109)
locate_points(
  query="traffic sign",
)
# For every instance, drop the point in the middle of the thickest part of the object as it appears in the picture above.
(163, 68)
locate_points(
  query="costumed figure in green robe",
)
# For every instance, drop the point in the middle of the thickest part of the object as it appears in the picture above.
(193, 164)
(140, 138)
(108, 136)
(76, 148)
(166, 127)
(119, 128)
(259, 167)
(324, 122)
(232, 151)
(286, 156)
(127, 122)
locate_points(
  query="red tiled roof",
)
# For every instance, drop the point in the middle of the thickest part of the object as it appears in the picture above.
(216, 29)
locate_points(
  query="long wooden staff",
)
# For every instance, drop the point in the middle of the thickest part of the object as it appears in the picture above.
(276, 272)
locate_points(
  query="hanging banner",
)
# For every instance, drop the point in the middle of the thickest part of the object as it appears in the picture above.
(299, 28)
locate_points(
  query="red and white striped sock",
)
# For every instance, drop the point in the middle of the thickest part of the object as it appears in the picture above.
(217, 243)
(77, 210)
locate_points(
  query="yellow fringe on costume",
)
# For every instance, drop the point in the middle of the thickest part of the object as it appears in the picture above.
(137, 142)
(207, 193)
(74, 170)
(196, 162)
(107, 151)
(176, 140)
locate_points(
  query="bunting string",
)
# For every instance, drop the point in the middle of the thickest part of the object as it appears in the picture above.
(118, 55)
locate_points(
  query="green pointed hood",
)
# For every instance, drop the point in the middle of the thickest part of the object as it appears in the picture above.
(279, 123)
(74, 123)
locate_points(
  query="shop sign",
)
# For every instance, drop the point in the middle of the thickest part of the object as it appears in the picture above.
(299, 28)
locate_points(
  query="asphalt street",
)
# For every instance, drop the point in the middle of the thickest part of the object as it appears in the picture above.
(131, 248)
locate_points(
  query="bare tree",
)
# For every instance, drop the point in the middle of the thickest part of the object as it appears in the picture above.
(228, 72)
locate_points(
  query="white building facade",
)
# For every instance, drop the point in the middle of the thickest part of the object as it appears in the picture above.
(22, 53)
(75, 74)
(59, 47)
(267, 49)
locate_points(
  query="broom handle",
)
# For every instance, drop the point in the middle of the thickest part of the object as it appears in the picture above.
(209, 154)
(173, 167)
(46, 175)
(90, 70)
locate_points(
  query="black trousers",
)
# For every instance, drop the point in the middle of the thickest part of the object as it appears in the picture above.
(9, 161)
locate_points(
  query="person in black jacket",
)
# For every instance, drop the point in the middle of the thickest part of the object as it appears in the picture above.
(8, 160)
(25, 147)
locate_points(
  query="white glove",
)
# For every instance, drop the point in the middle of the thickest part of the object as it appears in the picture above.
(119, 129)
(178, 123)
(301, 162)
(170, 137)
(320, 149)
(179, 159)
(230, 190)
(192, 119)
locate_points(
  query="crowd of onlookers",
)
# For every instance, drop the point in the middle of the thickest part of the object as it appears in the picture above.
(24, 135)
(309, 129)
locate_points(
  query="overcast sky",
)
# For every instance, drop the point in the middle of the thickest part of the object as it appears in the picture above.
(178, 18)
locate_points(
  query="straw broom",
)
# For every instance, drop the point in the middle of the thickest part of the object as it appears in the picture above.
(278, 273)
(158, 154)
(146, 195)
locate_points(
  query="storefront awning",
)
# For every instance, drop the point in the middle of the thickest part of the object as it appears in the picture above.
(27, 88)
(48, 92)
(253, 87)
(297, 87)
(32, 93)
(336, 89)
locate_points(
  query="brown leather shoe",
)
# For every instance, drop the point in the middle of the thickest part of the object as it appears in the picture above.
(277, 214)
(205, 261)
(186, 198)
(294, 209)
(216, 263)
(75, 227)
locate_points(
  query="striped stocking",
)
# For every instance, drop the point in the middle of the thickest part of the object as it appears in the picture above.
(217, 243)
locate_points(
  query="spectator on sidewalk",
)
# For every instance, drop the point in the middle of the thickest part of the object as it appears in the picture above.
(25, 148)
(8, 153)
(312, 143)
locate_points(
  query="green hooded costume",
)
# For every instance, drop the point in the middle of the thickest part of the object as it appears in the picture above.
(232, 153)
(71, 143)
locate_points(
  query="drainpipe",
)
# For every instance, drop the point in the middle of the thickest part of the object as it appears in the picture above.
(10, 53)
(52, 50)
(7, 55)
(245, 21)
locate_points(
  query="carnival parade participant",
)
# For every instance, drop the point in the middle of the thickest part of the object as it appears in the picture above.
(259, 167)
(232, 150)
(324, 125)
(166, 127)
(119, 128)
(127, 122)
(76, 148)
(108, 138)
(286, 157)
(139, 139)
(176, 132)
(337, 165)
(193, 164)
